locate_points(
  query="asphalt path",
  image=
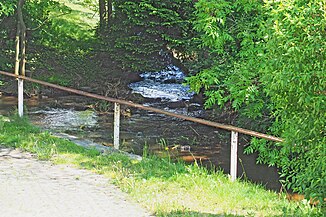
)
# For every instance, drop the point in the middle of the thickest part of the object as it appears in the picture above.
(33, 188)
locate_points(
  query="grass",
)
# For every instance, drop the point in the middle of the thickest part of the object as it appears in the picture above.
(162, 186)
(72, 27)
(83, 15)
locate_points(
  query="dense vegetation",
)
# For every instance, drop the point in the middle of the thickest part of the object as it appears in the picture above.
(264, 59)
(272, 62)
(143, 32)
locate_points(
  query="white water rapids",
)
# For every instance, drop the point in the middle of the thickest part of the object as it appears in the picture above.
(166, 85)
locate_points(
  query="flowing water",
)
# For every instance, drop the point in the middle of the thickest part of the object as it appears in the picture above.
(166, 85)
(161, 134)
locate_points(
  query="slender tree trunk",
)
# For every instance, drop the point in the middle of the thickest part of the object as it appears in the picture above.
(17, 43)
(23, 50)
(23, 37)
(102, 13)
(20, 40)
(109, 14)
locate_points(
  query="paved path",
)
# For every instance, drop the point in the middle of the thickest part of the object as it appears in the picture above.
(32, 188)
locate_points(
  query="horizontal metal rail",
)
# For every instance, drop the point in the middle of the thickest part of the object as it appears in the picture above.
(139, 106)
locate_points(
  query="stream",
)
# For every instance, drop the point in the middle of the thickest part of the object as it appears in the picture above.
(183, 139)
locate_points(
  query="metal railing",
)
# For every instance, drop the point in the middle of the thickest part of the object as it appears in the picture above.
(234, 130)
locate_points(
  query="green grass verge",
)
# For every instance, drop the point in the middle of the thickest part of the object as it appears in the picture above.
(164, 187)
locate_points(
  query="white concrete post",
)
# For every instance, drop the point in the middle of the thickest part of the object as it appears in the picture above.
(116, 131)
(20, 97)
(234, 155)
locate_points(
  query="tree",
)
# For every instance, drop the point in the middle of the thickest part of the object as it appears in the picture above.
(43, 31)
(140, 29)
(293, 74)
(271, 60)
(105, 12)
(20, 40)
(229, 31)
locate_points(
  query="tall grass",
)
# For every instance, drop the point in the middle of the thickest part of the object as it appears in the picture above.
(162, 186)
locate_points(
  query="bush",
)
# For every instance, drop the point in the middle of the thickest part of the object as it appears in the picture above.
(293, 74)
(272, 61)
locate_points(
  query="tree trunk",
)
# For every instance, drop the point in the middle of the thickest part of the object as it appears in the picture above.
(102, 13)
(17, 42)
(23, 50)
(20, 40)
(110, 11)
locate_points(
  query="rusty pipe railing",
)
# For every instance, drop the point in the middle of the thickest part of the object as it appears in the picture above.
(139, 106)
(233, 129)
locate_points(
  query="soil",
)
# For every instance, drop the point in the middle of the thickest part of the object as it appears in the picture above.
(110, 80)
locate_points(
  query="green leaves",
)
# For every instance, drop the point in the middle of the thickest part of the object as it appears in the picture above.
(211, 18)
(7, 7)
(294, 72)
(141, 29)
(270, 57)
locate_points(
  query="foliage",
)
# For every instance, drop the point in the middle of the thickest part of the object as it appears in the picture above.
(7, 7)
(293, 73)
(49, 23)
(36, 19)
(272, 61)
(229, 30)
(93, 4)
(59, 40)
(141, 29)
(164, 187)
(55, 25)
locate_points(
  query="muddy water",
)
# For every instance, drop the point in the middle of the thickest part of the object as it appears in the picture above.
(161, 134)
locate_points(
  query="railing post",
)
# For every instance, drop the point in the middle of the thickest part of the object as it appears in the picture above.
(234, 155)
(116, 132)
(20, 97)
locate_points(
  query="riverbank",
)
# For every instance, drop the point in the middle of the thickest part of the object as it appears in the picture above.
(72, 115)
(162, 186)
